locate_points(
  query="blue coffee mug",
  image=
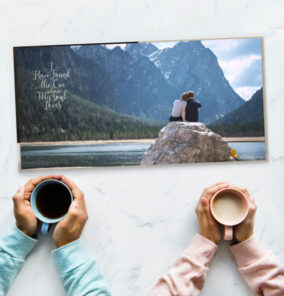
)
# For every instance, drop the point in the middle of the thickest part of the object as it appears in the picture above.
(46, 221)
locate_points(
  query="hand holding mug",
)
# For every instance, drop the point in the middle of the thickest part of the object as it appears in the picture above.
(71, 227)
(209, 227)
(244, 230)
(26, 220)
(229, 207)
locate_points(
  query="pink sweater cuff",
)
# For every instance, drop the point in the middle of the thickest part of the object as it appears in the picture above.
(202, 249)
(248, 252)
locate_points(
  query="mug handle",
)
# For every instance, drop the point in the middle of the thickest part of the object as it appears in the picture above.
(44, 228)
(228, 232)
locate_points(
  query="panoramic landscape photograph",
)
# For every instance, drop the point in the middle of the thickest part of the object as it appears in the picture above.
(140, 103)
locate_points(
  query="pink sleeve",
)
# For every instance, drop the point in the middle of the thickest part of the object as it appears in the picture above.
(187, 276)
(259, 268)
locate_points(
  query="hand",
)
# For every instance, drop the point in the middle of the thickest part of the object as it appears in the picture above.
(209, 227)
(244, 230)
(26, 220)
(71, 227)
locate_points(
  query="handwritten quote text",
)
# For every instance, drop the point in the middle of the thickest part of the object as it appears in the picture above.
(52, 88)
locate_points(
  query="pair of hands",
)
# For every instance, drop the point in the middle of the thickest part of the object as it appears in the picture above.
(210, 228)
(67, 230)
(71, 227)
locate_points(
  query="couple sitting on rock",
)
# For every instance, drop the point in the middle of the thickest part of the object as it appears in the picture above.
(186, 108)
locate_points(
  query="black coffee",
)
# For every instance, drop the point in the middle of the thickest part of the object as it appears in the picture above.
(53, 200)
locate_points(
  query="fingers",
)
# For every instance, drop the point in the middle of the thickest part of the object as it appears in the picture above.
(211, 190)
(203, 207)
(252, 209)
(19, 198)
(19, 195)
(203, 202)
(73, 212)
(218, 186)
(252, 205)
(36, 180)
(76, 214)
(243, 190)
(251, 200)
(77, 193)
(219, 183)
(30, 185)
(69, 183)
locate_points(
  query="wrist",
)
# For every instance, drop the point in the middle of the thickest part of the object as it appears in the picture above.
(212, 238)
(242, 238)
(63, 243)
(25, 231)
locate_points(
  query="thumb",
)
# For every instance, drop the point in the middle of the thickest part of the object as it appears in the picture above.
(73, 212)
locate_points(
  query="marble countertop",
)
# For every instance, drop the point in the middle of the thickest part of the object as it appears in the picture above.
(141, 219)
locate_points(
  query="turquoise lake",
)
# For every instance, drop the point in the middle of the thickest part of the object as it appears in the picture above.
(110, 154)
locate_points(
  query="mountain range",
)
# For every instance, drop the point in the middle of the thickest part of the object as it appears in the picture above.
(247, 120)
(251, 111)
(134, 86)
(151, 79)
(80, 117)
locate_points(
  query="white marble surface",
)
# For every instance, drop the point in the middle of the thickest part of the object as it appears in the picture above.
(140, 219)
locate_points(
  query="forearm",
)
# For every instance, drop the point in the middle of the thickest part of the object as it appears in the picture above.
(187, 276)
(259, 268)
(183, 114)
(79, 272)
(14, 247)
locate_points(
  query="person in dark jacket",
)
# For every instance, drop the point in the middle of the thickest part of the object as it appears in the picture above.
(192, 108)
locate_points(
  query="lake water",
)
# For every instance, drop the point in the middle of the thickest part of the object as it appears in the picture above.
(110, 154)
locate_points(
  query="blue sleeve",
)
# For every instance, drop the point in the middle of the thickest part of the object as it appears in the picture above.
(14, 247)
(79, 272)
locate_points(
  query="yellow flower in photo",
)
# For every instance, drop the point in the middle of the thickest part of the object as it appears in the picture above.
(234, 153)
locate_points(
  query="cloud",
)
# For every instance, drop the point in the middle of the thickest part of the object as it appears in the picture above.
(159, 44)
(240, 60)
(112, 46)
(162, 45)
(228, 49)
(221, 46)
(246, 92)
(243, 71)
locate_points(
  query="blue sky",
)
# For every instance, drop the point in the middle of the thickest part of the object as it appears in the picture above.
(241, 62)
(239, 58)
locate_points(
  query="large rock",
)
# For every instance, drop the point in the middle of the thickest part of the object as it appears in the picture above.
(186, 142)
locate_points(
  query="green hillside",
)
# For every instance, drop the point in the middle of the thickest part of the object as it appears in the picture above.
(78, 119)
(246, 121)
(243, 129)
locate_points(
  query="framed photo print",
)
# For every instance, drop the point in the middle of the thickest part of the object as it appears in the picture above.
(140, 103)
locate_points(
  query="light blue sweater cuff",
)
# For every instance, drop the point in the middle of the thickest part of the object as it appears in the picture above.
(16, 243)
(70, 256)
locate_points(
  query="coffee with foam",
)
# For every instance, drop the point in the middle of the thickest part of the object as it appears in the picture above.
(228, 207)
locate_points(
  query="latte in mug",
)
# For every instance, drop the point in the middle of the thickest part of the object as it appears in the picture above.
(229, 207)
